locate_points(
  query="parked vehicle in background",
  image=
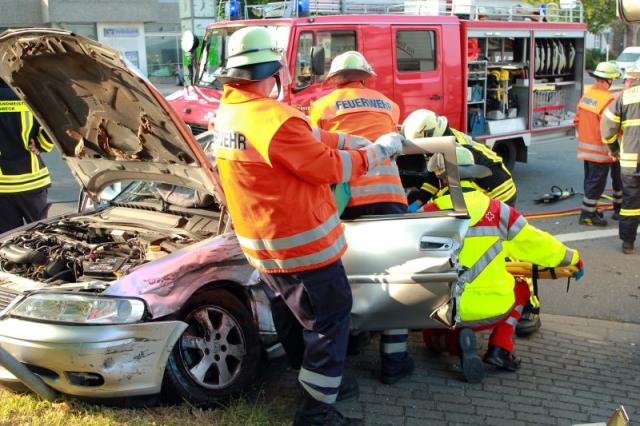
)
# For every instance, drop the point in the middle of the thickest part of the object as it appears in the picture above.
(150, 292)
(502, 74)
(628, 57)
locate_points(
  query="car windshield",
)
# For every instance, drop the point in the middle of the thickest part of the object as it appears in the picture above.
(215, 46)
(628, 57)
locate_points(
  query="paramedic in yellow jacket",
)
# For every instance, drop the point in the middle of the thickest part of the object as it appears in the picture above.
(486, 295)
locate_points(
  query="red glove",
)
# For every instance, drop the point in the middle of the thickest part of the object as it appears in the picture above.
(580, 272)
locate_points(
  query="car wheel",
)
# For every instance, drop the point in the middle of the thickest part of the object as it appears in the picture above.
(218, 354)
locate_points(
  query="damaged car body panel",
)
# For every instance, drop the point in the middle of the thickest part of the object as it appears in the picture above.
(112, 361)
(151, 289)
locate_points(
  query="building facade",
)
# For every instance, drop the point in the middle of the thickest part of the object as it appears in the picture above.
(147, 32)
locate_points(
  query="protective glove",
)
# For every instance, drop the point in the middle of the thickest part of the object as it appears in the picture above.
(385, 147)
(356, 142)
(580, 272)
(436, 164)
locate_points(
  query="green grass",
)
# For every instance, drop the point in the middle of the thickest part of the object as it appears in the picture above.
(27, 409)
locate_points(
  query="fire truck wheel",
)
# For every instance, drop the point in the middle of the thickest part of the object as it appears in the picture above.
(507, 151)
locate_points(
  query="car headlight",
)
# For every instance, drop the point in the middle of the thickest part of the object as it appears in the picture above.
(80, 309)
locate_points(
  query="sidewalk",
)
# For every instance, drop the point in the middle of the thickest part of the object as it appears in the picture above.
(574, 370)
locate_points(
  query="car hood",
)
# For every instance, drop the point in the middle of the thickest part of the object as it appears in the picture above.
(109, 123)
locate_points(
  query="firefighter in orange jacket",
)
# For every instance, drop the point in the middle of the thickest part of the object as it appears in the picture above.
(486, 295)
(276, 177)
(353, 108)
(596, 156)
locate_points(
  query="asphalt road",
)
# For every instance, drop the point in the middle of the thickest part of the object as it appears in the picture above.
(611, 287)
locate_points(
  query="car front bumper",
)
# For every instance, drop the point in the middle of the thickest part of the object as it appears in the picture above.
(92, 361)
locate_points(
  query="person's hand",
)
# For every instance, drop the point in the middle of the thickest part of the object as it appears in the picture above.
(391, 144)
(356, 142)
(580, 272)
(33, 147)
(436, 164)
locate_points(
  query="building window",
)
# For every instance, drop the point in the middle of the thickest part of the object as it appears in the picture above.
(416, 51)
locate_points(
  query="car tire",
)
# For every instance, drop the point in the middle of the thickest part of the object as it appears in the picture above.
(218, 354)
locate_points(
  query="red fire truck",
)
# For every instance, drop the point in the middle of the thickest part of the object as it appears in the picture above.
(505, 74)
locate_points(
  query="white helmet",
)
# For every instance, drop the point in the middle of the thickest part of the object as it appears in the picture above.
(606, 70)
(423, 123)
(252, 55)
(349, 66)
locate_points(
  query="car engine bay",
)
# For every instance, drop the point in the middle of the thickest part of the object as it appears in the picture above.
(104, 246)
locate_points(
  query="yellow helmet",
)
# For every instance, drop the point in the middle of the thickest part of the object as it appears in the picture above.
(252, 55)
(349, 66)
(423, 123)
(606, 70)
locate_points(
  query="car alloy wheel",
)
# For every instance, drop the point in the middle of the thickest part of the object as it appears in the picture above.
(212, 347)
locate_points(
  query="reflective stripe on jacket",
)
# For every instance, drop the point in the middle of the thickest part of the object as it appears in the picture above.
(587, 123)
(500, 184)
(276, 177)
(21, 169)
(484, 292)
(623, 114)
(356, 110)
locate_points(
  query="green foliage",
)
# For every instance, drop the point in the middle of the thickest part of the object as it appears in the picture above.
(599, 14)
(593, 58)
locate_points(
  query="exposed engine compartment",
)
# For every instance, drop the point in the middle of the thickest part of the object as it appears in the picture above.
(90, 248)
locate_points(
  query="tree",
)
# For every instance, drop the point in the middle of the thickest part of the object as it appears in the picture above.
(599, 14)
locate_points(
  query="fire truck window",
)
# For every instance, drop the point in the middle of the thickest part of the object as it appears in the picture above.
(335, 43)
(416, 51)
(304, 76)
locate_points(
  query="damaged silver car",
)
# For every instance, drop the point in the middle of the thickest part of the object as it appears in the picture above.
(149, 292)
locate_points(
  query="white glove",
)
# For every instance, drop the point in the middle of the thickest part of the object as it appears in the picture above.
(436, 164)
(385, 147)
(356, 142)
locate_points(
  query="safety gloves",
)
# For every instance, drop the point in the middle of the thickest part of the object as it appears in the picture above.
(580, 272)
(356, 142)
(385, 147)
(436, 164)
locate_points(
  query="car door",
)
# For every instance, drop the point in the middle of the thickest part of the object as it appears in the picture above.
(400, 266)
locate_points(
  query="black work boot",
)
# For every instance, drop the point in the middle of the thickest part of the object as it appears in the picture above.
(529, 321)
(348, 389)
(502, 359)
(592, 219)
(312, 412)
(472, 368)
(627, 247)
(401, 373)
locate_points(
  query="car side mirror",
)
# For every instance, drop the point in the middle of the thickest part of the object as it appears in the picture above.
(317, 60)
(629, 11)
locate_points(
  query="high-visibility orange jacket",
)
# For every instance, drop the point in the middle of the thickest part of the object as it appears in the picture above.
(356, 110)
(587, 122)
(276, 177)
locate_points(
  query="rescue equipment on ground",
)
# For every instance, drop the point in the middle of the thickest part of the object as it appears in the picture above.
(556, 194)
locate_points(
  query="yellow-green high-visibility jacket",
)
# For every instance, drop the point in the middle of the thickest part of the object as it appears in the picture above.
(484, 293)
(21, 169)
(624, 114)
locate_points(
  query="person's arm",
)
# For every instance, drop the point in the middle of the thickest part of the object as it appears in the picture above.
(296, 148)
(530, 244)
(42, 139)
(610, 126)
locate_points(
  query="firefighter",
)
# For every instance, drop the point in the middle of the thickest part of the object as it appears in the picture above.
(24, 178)
(598, 161)
(620, 129)
(276, 177)
(499, 185)
(354, 109)
(487, 296)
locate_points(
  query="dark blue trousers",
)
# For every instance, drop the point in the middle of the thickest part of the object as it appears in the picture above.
(319, 301)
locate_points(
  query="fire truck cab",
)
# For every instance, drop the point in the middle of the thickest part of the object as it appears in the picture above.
(506, 75)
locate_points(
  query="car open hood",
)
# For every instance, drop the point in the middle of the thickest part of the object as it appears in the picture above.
(109, 123)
